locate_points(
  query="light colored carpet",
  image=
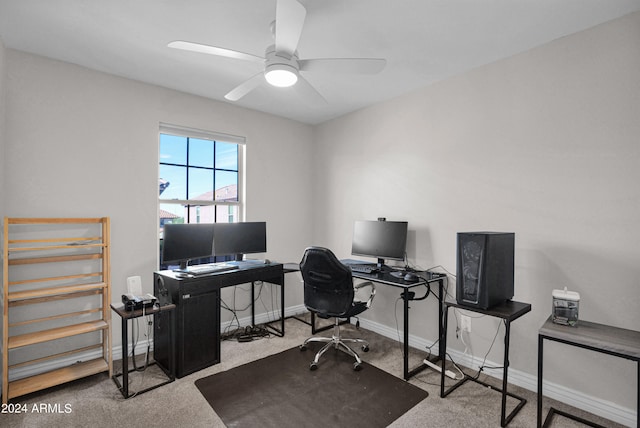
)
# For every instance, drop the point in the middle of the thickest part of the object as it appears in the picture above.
(96, 402)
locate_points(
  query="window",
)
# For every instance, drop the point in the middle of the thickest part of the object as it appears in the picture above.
(200, 177)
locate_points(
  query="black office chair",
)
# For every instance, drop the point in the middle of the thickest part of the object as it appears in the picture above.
(329, 292)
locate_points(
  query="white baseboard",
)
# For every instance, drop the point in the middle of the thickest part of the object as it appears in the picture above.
(605, 409)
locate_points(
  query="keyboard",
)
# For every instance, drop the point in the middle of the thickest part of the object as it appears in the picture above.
(363, 268)
(206, 269)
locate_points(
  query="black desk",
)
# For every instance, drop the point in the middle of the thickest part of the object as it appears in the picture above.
(128, 315)
(197, 300)
(602, 338)
(426, 278)
(508, 311)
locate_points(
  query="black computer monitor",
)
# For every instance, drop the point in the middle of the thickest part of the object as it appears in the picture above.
(184, 242)
(380, 239)
(238, 239)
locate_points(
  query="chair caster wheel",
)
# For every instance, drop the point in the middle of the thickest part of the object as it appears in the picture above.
(313, 366)
(357, 367)
(365, 348)
(303, 347)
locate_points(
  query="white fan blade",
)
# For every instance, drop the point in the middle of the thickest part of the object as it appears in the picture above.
(213, 50)
(308, 92)
(245, 87)
(289, 22)
(343, 65)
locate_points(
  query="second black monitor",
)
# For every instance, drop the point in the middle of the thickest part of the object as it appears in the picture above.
(380, 239)
(237, 239)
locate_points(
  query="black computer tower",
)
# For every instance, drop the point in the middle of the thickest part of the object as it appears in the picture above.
(485, 268)
(197, 341)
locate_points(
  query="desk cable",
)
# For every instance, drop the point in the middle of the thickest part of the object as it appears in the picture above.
(274, 301)
(411, 297)
(248, 333)
(484, 360)
(135, 337)
(232, 308)
(482, 366)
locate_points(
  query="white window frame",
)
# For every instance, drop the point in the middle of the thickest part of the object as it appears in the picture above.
(182, 131)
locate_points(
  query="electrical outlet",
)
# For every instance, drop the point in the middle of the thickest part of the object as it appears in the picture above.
(465, 322)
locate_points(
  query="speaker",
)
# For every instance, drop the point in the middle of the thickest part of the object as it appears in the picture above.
(485, 264)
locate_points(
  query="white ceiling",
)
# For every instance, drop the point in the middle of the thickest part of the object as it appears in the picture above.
(423, 41)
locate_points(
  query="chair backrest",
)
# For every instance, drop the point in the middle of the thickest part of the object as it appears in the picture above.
(328, 286)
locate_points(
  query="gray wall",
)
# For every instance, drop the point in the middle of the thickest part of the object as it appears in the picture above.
(544, 144)
(80, 143)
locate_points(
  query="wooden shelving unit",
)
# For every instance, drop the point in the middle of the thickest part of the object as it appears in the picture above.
(55, 291)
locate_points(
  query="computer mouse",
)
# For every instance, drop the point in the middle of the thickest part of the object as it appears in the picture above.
(411, 277)
(267, 261)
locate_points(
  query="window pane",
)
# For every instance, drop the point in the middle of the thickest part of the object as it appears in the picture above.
(174, 181)
(201, 153)
(201, 184)
(173, 149)
(227, 214)
(202, 213)
(226, 156)
(226, 186)
(172, 214)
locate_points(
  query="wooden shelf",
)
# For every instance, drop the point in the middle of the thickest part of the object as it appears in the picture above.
(53, 259)
(41, 381)
(61, 220)
(57, 356)
(54, 291)
(70, 259)
(57, 247)
(54, 240)
(56, 278)
(55, 317)
(55, 333)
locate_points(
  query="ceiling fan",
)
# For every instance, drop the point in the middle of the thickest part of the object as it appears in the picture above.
(282, 66)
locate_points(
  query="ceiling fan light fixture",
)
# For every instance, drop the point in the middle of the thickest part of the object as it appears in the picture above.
(281, 75)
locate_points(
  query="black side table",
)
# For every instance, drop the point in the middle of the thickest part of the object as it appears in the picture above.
(129, 315)
(508, 311)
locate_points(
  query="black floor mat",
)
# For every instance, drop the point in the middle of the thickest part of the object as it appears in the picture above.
(281, 391)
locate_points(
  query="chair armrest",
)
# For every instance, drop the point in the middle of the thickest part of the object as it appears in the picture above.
(373, 290)
(364, 284)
